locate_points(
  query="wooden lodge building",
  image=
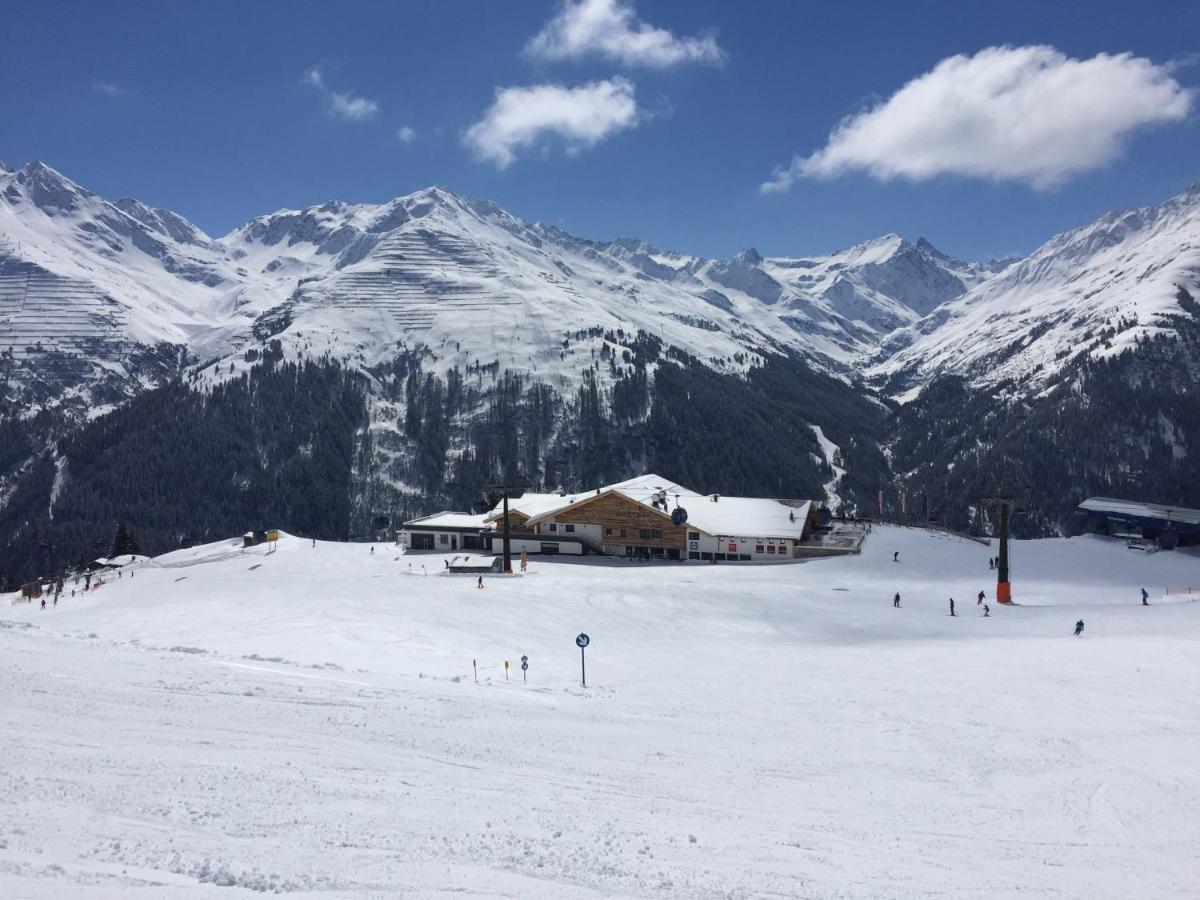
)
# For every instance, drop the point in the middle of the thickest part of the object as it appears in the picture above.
(645, 517)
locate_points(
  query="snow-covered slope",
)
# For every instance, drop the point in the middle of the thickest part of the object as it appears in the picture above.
(1096, 289)
(90, 290)
(91, 281)
(473, 282)
(308, 722)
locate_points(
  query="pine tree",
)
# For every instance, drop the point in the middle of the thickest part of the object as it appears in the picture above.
(124, 543)
(120, 538)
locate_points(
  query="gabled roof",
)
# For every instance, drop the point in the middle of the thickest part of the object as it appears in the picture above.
(735, 516)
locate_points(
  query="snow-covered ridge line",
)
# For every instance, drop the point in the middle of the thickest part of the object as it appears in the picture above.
(461, 276)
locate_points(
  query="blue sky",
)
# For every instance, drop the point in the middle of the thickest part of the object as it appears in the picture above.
(650, 119)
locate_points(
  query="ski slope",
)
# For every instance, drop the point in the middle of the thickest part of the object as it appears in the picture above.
(307, 721)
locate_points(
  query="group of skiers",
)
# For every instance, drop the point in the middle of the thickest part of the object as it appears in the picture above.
(994, 563)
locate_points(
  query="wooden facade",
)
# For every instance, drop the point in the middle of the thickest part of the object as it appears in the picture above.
(623, 522)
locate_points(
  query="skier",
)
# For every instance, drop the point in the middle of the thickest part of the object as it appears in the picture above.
(480, 584)
(1079, 628)
(979, 599)
(951, 606)
(314, 546)
(1145, 598)
(372, 551)
(987, 611)
(43, 603)
(896, 600)
(896, 556)
(991, 562)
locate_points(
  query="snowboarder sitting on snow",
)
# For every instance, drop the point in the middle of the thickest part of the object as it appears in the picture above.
(1079, 628)
(896, 600)
(1145, 598)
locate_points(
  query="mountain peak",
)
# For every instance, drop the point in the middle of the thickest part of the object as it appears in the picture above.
(50, 190)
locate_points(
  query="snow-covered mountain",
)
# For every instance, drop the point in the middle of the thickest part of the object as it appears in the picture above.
(117, 293)
(88, 287)
(1097, 290)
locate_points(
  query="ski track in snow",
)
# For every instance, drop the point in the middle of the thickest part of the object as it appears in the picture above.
(828, 449)
(747, 731)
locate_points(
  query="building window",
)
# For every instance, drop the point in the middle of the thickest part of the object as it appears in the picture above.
(608, 531)
(732, 547)
(570, 528)
(443, 538)
(648, 534)
(758, 548)
(693, 555)
(693, 535)
(622, 532)
(744, 557)
(770, 548)
(554, 526)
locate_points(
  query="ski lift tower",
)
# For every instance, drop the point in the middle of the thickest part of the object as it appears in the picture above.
(503, 490)
(1003, 586)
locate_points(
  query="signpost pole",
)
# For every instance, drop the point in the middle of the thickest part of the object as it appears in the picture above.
(581, 642)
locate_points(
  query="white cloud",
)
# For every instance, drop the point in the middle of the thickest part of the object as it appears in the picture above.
(109, 88)
(406, 134)
(611, 29)
(1026, 114)
(343, 105)
(583, 116)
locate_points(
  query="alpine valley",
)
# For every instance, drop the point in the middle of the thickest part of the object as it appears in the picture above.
(333, 369)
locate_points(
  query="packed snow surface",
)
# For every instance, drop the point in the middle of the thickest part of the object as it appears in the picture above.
(308, 721)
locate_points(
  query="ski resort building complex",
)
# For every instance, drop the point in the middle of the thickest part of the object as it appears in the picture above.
(644, 517)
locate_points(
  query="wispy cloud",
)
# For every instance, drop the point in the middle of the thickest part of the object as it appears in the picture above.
(522, 117)
(109, 89)
(611, 29)
(343, 105)
(406, 134)
(1024, 114)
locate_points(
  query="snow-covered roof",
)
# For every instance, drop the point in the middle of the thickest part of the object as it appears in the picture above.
(741, 516)
(448, 519)
(119, 561)
(1114, 507)
(750, 517)
(472, 563)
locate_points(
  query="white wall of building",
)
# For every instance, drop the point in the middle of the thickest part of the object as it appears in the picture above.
(533, 546)
(758, 549)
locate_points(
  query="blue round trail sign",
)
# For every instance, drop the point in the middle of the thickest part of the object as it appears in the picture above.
(582, 641)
